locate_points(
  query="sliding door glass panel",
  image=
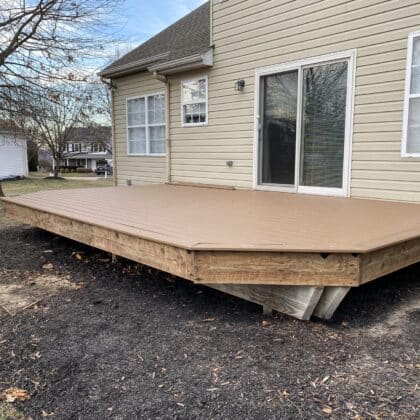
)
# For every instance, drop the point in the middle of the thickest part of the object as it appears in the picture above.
(323, 125)
(278, 128)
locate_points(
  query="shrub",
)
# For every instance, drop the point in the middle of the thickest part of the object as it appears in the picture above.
(83, 171)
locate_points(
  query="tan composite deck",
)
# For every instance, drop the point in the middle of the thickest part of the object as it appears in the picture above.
(293, 253)
(224, 236)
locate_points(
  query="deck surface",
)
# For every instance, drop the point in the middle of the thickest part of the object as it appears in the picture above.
(210, 219)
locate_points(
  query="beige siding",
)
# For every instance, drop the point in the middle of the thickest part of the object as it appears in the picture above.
(139, 169)
(250, 34)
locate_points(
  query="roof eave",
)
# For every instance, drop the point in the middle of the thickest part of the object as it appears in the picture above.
(133, 67)
(192, 62)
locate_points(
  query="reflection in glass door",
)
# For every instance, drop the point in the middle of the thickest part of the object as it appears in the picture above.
(302, 128)
(278, 148)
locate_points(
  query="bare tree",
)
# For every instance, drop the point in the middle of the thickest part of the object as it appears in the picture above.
(51, 119)
(49, 41)
(46, 40)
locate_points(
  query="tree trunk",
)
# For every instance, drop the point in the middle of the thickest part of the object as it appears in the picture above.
(1, 191)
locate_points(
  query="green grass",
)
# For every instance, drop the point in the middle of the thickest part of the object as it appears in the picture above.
(64, 174)
(30, 185)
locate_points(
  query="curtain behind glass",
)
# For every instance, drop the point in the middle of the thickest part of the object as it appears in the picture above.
(323, 125)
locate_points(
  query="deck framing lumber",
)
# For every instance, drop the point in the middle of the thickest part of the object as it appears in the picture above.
(296, 301)
(388, 260)
(167, 258)
(230, 267)
(329, 301)
(276, 268)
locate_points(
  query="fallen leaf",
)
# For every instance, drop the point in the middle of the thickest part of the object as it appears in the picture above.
(265, 323)
(48, 266)
(209, 320)
(13, 394)
(327, 409)
(45, 414)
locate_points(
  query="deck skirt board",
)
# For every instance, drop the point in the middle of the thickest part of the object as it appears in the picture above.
(310, 269)
(163, 257)
(297, 255)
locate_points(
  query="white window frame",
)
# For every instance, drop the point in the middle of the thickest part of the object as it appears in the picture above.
(146, 125)
(408, 96)
(350, 57)
(195, 79)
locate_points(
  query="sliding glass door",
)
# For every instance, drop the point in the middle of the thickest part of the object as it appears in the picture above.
(303, 128)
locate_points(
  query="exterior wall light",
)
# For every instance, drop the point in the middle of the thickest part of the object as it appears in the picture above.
(239, 85)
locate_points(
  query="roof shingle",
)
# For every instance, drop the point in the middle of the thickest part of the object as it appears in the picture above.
(188, 36)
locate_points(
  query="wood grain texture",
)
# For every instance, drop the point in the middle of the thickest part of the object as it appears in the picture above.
(276, 268)
(297, 301)
(329, 301)
(163, 257)
(387, 260)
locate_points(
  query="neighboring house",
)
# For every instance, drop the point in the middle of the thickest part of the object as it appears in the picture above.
(88, 147)
(306, 96)
(13, 153)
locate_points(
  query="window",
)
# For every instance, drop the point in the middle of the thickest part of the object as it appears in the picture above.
(194, 102)
(74, 147)
(411, 130)
(97, 147)
(146, 125)
(302, 129)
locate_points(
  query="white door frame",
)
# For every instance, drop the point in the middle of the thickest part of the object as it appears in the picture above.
(350, 56)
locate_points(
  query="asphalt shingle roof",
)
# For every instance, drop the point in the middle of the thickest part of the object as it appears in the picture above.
(188, 36)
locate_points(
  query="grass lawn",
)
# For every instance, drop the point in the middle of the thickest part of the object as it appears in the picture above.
(25, 186)
(64, 174)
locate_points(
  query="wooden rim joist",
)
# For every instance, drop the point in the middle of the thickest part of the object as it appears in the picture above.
(301, 284)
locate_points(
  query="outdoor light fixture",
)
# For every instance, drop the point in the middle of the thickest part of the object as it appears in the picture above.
(239, 85)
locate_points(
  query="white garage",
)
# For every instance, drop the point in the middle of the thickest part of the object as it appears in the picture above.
(13, 156)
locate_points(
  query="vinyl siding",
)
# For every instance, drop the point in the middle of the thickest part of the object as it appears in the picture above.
(138, 169)
(250, 34)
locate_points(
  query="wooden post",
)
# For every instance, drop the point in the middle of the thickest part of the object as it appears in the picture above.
(329, 301)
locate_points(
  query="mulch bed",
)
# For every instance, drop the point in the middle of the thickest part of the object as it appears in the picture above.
(133, 342)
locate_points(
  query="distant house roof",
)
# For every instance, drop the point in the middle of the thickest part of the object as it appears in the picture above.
(91, 134)
(185, 42)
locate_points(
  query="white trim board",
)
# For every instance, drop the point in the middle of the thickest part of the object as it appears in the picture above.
(350, 57)
(146, 125)
(408, 96)
(195, 79)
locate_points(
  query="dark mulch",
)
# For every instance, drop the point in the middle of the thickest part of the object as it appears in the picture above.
(137, 343)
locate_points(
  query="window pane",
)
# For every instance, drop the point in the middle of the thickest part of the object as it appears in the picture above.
(279, 128)
(195, 113)
(415, 80)
(413, 134)
(157, 139)
(137, 140)
(194, 90)
(323, 125)
(136, 111)
(156, 109)
(416, 52)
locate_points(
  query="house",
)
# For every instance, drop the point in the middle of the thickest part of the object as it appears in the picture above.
(273, 149)
(88, 147)
(13, 152)
(305, 97)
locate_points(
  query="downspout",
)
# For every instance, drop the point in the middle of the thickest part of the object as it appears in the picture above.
(112, 88)
(165, 80)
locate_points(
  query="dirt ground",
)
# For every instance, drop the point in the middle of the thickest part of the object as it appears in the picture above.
(131, 342)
